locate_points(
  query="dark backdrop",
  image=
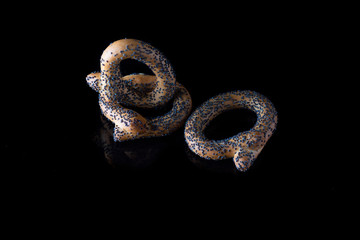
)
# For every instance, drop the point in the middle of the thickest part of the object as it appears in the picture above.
(53, 144)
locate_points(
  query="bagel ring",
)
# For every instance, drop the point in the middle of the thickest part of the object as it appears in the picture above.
(243, 147)
(115, 88)
(138, 90)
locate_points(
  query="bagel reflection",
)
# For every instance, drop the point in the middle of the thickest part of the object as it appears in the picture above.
(136, 154)
(225, 166)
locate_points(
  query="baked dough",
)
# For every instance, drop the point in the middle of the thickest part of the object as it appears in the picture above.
(118, 94)
(243, 147)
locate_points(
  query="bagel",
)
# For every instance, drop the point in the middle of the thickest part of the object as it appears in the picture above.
(118, 94)
(115, 88)
(243, 147)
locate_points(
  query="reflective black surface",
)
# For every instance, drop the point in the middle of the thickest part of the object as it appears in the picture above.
(60, 143)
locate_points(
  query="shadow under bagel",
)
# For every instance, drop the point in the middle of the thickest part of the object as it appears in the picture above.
(135, 154)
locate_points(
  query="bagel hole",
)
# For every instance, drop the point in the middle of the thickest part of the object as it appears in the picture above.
(131, 66)
(230, 123)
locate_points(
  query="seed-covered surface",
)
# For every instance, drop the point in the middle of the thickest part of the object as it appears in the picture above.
(117, 93)
(243, 147)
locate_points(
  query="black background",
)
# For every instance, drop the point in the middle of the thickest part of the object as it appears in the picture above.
(50, 147)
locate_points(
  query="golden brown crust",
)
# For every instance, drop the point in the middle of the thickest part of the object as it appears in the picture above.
(111, 75)
(243, 147)
(138, 90)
